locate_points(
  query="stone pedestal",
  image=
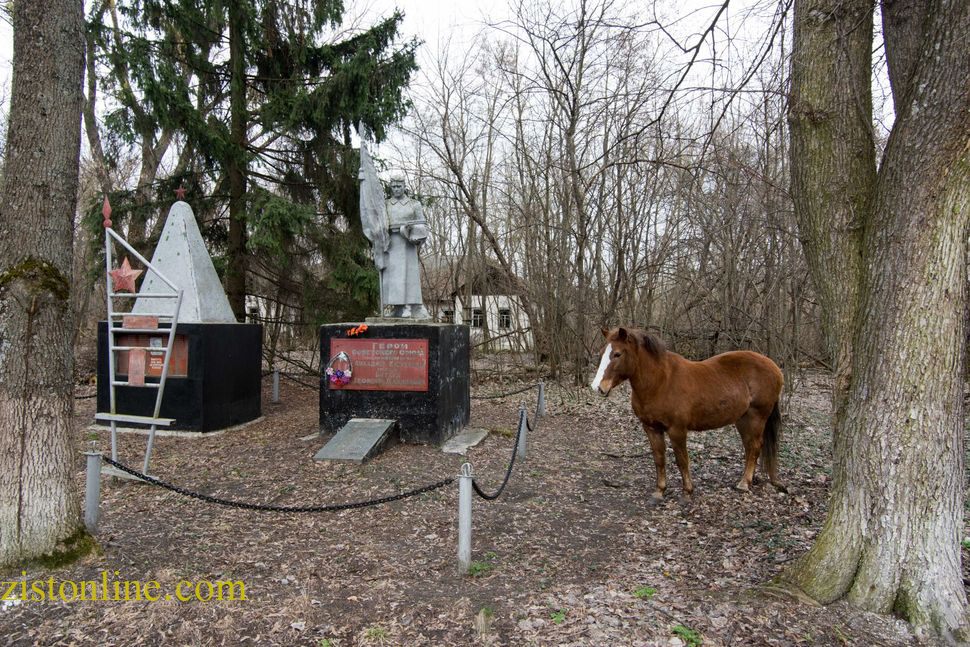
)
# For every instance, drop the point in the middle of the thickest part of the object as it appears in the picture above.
(214, 378)
(414, 373)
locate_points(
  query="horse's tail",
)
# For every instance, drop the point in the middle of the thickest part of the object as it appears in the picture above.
(769, 447)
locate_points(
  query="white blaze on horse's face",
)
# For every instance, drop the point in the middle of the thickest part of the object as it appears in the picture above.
(601, 371)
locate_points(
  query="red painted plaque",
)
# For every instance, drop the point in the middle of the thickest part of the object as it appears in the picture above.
(154, 344)
(139, 321)
(384, 364)
(136, 367)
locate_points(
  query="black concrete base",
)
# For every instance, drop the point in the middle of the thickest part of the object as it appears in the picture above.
(222, 387)
(426, 417)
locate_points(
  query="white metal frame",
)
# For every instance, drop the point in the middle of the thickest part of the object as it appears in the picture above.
(115, 326)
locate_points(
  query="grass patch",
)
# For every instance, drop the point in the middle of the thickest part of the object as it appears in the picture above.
(376, 633)
(645, 592)
(688, 635)
(483, 567)
(478, 569)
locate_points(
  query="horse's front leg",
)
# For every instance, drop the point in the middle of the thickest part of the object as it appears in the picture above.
(678, 438)
(659, 447)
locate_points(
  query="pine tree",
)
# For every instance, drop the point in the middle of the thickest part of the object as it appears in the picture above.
(262, 100)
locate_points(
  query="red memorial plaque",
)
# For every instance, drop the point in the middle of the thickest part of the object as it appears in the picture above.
(136, 367)
(384, 364)
(154, 345)
(139, 321)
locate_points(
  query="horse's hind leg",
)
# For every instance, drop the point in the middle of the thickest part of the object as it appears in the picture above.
(751, 426)
(659, 447)
(678, 438)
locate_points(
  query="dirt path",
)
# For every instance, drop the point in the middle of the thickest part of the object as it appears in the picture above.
(570, 555)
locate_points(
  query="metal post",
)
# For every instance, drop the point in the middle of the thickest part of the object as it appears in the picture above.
(148, 448)
(276, 386)
(114, 433)
(465, 519)
(109, 290)
(520, 452)
(541, 404)
(92, 491)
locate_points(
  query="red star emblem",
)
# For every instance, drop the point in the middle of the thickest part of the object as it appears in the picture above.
(123, 278)
(180, 193)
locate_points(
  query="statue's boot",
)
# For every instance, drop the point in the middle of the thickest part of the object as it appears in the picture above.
(418, 311)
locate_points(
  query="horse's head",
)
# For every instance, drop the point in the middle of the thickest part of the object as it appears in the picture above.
(618, 361)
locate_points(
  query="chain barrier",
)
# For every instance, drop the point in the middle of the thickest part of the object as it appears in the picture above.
(277, 508)
(515, 450)
(505, 395)
(524, 423)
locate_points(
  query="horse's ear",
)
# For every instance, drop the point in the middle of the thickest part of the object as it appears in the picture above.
(605, 331)
(621, 334)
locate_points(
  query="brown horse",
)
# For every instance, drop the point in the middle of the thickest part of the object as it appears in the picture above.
(674, 395)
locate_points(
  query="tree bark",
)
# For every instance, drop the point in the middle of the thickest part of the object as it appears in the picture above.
(235, 168)
(833, 157)
(891, 542)
(38, 503)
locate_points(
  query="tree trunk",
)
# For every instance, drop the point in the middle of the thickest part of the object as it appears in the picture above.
(891, 542)
(236, 167)
(38, 503)
(833, 157)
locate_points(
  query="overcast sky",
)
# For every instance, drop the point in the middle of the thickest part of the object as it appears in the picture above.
(458, 21)
(432, 21)
(429, 20)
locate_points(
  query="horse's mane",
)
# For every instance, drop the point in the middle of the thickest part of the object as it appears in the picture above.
(651, 343)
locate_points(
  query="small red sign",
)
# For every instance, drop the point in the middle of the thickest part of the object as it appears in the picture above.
(139, 321)
(136, 367)
(154, 345)
(384, 364)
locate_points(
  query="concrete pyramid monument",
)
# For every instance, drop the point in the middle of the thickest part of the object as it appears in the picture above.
(214, 376)
(182, 257)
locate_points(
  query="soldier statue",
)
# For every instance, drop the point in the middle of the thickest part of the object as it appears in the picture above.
(396, 228)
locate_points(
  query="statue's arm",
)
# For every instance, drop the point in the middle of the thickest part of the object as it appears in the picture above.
(418, 212)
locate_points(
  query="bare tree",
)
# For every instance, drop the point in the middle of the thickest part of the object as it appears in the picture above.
(557, 148)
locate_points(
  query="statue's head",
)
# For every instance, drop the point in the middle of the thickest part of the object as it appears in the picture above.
(398, 185)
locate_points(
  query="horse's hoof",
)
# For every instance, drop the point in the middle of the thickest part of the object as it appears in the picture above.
(653, 501)
(686, 500)
(742, 487)
(781, 487)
